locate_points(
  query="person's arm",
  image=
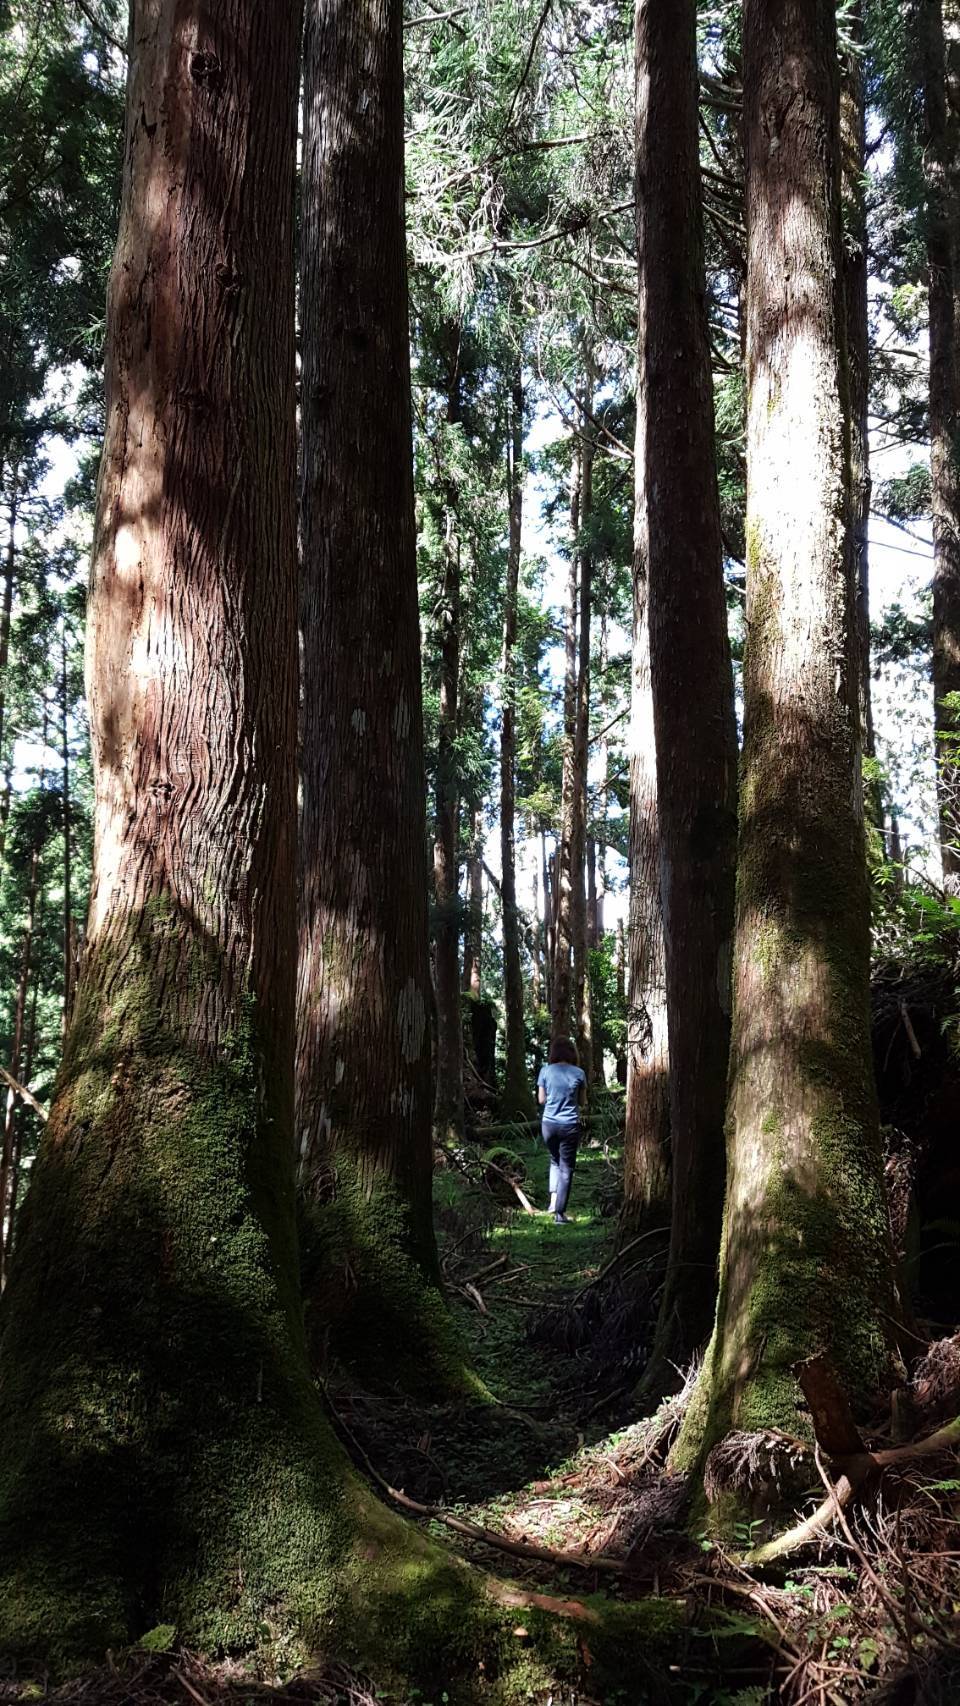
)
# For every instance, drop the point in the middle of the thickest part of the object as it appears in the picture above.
(541, 1089)
(583, 1093)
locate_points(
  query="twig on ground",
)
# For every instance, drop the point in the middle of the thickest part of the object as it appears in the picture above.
(472, 1530)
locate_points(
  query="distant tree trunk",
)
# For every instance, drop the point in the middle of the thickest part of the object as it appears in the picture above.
(6, 605)
(621, 996)
(593, 905)
(364, 1085)
(21, 1111)
(646, 1141)
(170, 1320)
(537, 945)
(516, 1099)
(448, 1117)
(691, 675)
(581, 980)
(9, 1157)
(568, 872)
(473, 931)
(6, 795)
(69, 959)
(853, 156)
(807, 1264)
(942, 167)
(549, 917)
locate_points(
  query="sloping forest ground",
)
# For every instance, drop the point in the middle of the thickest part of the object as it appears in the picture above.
(560, 1488)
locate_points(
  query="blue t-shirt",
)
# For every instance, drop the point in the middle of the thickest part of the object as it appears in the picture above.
(562, 1085)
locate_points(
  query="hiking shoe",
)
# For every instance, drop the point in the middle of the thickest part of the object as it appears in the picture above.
(562, 1220)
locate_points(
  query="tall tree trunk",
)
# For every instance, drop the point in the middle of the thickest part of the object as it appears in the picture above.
(568, 877)
(646, 1141)
(581, 978)
(473, 926)
(364, 1083)
(8, 1155)
(853, 156)
(691, 675)
(6, 604)
(170, 1320)
(549, 919)
(21, 1112)
(448, 1115)
(516, 1099)
(807, 1264)
(942, 168)
(621, 995)
(69, 957)
(537, 944)
(6, 797)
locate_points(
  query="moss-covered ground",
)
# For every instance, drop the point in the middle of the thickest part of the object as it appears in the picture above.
(560, 1460)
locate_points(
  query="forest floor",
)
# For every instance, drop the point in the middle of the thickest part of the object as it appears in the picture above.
(559, 1331)
(561, 1487)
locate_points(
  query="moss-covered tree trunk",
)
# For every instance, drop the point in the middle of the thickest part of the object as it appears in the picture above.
(364, 1082)
(806, 1265)
(941, 154)
(646, 1143)
(516, 1099)
(164, 1458)
(691, 676)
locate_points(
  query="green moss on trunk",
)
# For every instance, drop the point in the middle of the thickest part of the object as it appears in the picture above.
(368, 1301)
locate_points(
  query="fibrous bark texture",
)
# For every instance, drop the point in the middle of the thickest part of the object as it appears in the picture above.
(942, 168)
(364, 1085)
(165, 1459)
(806, 1265)
(691, 677)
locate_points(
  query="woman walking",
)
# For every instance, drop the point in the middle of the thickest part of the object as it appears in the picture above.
(561, 1090)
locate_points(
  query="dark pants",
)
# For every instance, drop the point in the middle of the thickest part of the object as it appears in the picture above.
(561, 1141)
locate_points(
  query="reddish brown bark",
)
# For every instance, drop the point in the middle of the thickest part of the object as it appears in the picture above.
(364, 1088)
(165, 1178)
(691, 677)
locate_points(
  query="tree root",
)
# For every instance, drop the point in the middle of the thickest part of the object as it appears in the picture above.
(838, 1436)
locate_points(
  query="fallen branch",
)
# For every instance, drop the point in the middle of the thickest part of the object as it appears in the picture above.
(911, 1033)
(856, 1473)
(614, 1262)
(525, 1202)
(472, 1530)
(27, 1095)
